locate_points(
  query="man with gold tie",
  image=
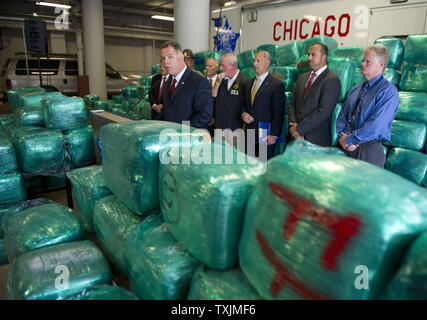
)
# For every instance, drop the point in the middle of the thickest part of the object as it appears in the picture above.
(211, 67)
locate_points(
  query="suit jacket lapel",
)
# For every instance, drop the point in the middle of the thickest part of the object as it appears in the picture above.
(316, 83)
(181, 83)
(262, 87)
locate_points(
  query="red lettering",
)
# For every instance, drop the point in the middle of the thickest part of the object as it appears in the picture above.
(340, 22)
(296, 29)
(302, 37)
(274, 31)
(343, 228)
(287, 30)
(329, 34)
(316, 28)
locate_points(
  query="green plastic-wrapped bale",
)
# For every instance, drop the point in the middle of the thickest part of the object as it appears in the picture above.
(271, 49)
(13, 94)
(288, 97)
(104, 292)
(288, 75)
(117, 98)
(6, 118)
(7, 156)
(201, 57)
(145, 81)
(280, 146)
(358, 76)
(393, 76)
(315, 220)
(246, 59)
(130, 158)
(100, 105)
(57, 272)
(289, 54)
(413, 78)
(409, 164)
(216, 210)
(303, 66)
(88, 187)
(412, 106)
(12, 189)
(3, 253)
(345, 70)
(331, 43)
(208, 284)
(354, 54)
(416, 49)
(409, 282)
(113, 222)
(249, 72)
(155, 69)
(39, 227)
(407, 134)
(38, 150)
(29, 116)
(80, 147)
(159, 267)
(89, 99)
(36, 99)
(65, 114)
(396, 48)
(132, 91)
(335, 114)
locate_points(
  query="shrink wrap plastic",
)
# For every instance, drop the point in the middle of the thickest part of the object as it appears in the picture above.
(12, 189)
(396, 48)
(145, 81)
(414, 78)
(280, 146)
(303, 65)
(36, 275)
(288, 75)
(80, 147)
(29, 116)
(159, 267)
(104, 292)
(246, 59)
(209, 196)
(7, 156)
(3, 253)
(88, 187)
(393, 76)
(117, 98)
(314, 220)
(249, 72)
(289, 54)
(355, 54)
(358, 76)
(409, 164)
(271, 49)
(6, 118)
(65, 114)
(412, 107)
(345, 70)
(416, 49)
(334, 135)
(409, 282)
(39, 227)
(208, 284)
(38, 150)
(132, 91)
(113, 222)
(100, 105)
(288, 96)
(36, 100)
(407, 134)
(13, 95)
(331, 43)
(155, 69)
(130, 152)
(201, 57)
(90, 99)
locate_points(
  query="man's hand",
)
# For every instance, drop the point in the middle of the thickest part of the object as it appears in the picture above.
(158, 108)
(247, 117)
(345, 146)
(294, 133)
(220, 76)
(271, 140)
(212, 123)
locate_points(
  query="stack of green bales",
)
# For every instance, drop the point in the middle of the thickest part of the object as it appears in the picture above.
(289, 205)
(104, 292)
(133, 102)
(13, 95)
(271, 49)
(155, 69)
(201, 57)
(89, 100)
(415, 67)
(289, 54)
(392, 73)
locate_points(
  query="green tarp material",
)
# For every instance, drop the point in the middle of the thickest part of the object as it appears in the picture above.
(345, 70)
(208, 284)
(358, 76)
(6, 118)
(3, 253)
(303, 65)
(130, 158)
(36, 100)
(416, 49)
(143, 110)
(288, 75)
(331, 43)
(12, 189)
(57, 272)
(280, 146)
(29, 116)
(386, 151)
(246, 59)
(289, 54)
(393, 76)
(100, 105)
(412, 107)
(117, 98)
(80, 147)
(407, 134)
(409, 282)
(113, 222)
(249, 72)
(39, 227)
(145, 81)
(104, 292)
(288, 96)
(396, 48)
(7, 156)
(217, 210)
(159, 267)
(38, 150)
(90, 99)
(155, 69)
(132, 91)
(201, 57)
(335, 114)
(112, 106)
(414, 78)
(355, 54)
(13, 94)
(88, 187)
(271, 49)
(409, 164)
(353, 213)
(65, 114)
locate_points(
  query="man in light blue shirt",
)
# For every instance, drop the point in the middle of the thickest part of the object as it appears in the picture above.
(368, 112)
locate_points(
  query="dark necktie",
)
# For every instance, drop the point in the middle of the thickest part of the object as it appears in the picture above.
(172, 88)
(162, 86)
(356, 110)
(211, 82)
(310, 81)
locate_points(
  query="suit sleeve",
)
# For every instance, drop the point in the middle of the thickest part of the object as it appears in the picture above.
(328, 101)
(203, 105)
(151, 96)
(278, 106)
(292, 116)
(244, 105)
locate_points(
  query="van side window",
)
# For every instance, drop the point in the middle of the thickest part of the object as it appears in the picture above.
(71, 68)
(48, 67)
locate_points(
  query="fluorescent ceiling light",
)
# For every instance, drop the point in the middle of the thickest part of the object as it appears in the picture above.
(163, 18)
(229, 3)
(50, 4)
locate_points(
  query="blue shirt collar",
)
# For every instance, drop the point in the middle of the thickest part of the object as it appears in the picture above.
(371, 82)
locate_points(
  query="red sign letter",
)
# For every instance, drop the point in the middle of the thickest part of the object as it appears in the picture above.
(274, 31)
(287, 30)
(326, 26)
(347, 30)
(302, 37)
(316, 28)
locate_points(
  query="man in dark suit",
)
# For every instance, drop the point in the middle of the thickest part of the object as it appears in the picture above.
(158, 83)
(187, 95)
(314, 99)
(263, 104)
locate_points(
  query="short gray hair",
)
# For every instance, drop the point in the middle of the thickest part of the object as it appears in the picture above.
(231, 59)
(381, 51)
(266, 54)
(216, 62)
(173, 44)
